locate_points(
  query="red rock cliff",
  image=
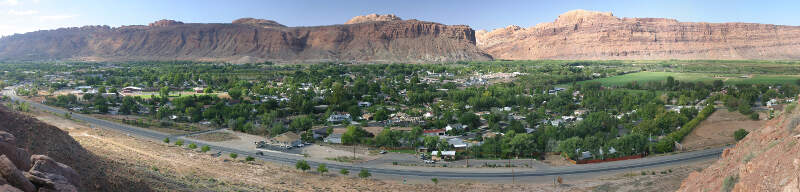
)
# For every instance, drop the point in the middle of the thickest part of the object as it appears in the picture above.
(250, 41)
(584, 34)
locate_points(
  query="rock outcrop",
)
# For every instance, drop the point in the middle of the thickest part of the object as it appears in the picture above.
(45, 174)
(373, 18)
(768, 159)
(581, 34)
(252, 40)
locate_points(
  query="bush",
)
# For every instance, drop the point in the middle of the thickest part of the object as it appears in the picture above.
(754, 116)
(729, 182)
(435, 181)
(740, 134)
(302, 165)
(249, 158)
(322, 168)
(192, 146)
(166, 140)
(364, 173)
(344, 171)
(179, 143)
(233, 155)
(205, 148)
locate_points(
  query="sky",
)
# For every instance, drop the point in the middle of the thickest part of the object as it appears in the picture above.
(20, 16)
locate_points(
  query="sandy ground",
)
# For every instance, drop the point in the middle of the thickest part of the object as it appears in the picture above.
(321, 152)
(241, 141)
(717, 129)
(216, 136)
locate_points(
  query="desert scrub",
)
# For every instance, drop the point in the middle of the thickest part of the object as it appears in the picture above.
(729, 182)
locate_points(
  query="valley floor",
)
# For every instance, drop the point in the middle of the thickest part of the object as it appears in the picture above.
(171, 168)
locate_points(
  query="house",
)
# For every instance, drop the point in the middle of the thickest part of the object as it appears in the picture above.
(445, 155)
(457, 143)
(364, 104)
(288, 139)
(338, 118)
(334, 138)
(434, 132)
(585, 155)
(427, 115)
(198, 90)
(458, 126)
(131, 89)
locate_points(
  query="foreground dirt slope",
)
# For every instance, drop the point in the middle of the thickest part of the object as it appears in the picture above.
(581, 34)
(39, 138)
(251, 40)
(768, 159)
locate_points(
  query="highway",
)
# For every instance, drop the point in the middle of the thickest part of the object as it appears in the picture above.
(449, 173)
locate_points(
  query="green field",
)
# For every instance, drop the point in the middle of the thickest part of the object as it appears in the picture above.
(705, 77)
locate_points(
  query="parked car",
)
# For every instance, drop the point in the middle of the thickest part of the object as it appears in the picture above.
(383, 152)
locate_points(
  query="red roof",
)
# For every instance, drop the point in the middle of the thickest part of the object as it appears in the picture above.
(433, 131)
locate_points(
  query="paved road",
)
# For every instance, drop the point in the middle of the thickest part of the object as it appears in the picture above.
(451, 173)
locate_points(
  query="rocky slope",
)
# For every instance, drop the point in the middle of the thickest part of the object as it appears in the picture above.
(367, 39)
(62, 164)
(768, 159)
(581, 34)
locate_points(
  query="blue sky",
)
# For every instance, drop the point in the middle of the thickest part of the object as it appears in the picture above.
(19, 16)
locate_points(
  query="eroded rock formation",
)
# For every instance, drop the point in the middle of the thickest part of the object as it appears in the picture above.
(248, 39)
(581, 34)
(40, 174)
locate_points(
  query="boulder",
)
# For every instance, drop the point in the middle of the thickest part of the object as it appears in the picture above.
(45, 164)
(9, 188)
(14, 176)
(50, 181)
(8, 138)
(19, 157)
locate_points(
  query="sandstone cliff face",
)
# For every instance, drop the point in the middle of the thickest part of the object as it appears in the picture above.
(583, 34)
(768, 159)
(383, 41)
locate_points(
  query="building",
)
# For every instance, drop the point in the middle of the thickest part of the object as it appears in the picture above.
(434, 132)
(334, 138)
(454, 127)
(198, 90)
(131, 89)
(445, 155)
(288, 139)
(364, 104)
(338, 118)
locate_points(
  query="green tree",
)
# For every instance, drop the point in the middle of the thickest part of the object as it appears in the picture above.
(192, 146)
(164, 92)
(179, 142)
(166, 140)
(302, 165)
(364, 174)
(344, 172)
(740, 134)
(233, 155)
(302, 123)
(435, 181)
(205, 148)
(353, 134)
(322, 169)
(235, 93)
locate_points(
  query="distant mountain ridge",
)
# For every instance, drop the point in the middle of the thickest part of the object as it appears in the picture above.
(251, 40)
(590, 35)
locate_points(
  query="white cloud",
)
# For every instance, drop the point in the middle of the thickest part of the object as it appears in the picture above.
(56, 17)
(22, 13)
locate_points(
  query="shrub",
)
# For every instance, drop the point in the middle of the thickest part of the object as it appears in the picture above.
(233, 155)
(322, 168)
(249, 158)
(205, 148)
(166, 140)
(435, 181)
(754, 116)
(729, 182)
(740, 134)
(179, 143)
(364, 173)
(302, 165)
(344, 171)
(192, 146)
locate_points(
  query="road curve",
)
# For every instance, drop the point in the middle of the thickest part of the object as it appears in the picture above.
(454, 173)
